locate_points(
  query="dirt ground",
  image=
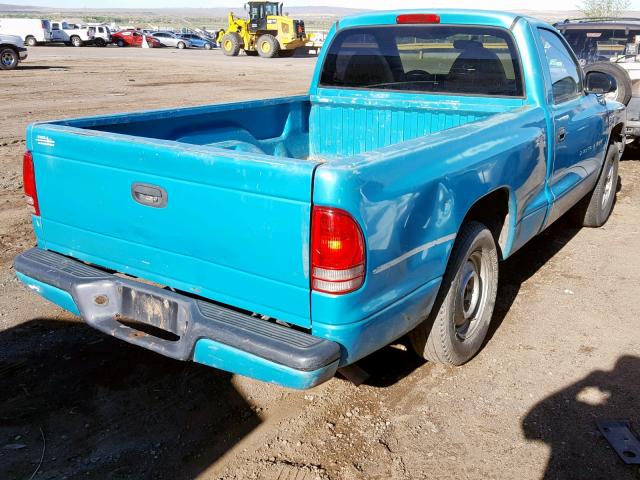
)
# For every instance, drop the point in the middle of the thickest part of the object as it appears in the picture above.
(563, 351)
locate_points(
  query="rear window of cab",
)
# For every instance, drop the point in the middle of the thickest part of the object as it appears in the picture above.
(469, 60)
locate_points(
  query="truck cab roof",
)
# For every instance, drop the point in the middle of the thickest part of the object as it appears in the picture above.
(446, 15)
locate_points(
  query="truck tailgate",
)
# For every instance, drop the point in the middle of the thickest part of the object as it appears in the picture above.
(232, 227)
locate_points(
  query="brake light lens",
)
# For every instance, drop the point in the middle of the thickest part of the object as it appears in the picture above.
(29, 182)
(418, 18)
(337, 251)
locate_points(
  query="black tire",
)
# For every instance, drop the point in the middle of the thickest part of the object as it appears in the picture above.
(231, 44)
(267, 46)
(30, 41)
(120, 42)
(76, 41)
(9, 58)
(100, 42)
(181, 46)
(251, 53)
(457, 326)
(596, 207)
(286, 53)
(623, 81)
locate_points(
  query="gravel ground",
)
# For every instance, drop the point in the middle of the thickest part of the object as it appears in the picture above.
(563, 351)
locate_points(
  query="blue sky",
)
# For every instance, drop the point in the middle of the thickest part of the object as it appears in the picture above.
(376, 4)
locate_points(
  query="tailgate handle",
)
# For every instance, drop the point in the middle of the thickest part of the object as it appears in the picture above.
(149, 195)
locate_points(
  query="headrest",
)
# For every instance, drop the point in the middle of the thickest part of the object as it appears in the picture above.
(467, 44)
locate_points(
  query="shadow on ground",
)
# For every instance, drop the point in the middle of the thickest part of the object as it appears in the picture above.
(41, 67)
(631, 152)
(391, 364)
(566, 422)
(108, 409)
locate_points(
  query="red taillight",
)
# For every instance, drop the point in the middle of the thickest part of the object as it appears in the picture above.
(418, 18)
(337, 251)
(29, 181)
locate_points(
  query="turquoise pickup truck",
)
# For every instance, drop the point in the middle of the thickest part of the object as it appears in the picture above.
(282, 239)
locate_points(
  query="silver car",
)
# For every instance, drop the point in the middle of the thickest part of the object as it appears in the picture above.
(169, 39)
(12, 51)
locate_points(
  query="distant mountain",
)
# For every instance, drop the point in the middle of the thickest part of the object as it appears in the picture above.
(322, 13)
(4, 7)
(191, 12)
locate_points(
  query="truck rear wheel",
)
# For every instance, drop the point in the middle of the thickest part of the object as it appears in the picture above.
(622, 93)
(456, 328)
(8, 58)
(76, 41)
(267, 46)
(594, 209)
(101, 42)
(231, 44)
(30, 41)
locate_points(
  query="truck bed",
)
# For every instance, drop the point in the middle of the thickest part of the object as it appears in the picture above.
(317, 128)
(223, 176)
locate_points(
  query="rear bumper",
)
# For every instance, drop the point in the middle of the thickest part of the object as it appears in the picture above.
(179, 326)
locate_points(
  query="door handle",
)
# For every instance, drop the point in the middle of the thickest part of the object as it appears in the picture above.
(149, 195)
(562, 134)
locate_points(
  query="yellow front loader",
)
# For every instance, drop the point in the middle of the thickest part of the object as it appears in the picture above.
(267, 32)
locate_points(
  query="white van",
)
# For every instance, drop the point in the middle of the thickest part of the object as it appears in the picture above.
(31, 30)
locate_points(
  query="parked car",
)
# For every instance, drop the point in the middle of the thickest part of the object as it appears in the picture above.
(133, 38)
(12, 51)
(101, 35)
(610, 45)
(169, 39)
(31, 30)
(283, 238)
(79, 35)
(197, 41)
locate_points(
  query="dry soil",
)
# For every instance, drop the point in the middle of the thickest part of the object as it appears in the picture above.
(563, 352)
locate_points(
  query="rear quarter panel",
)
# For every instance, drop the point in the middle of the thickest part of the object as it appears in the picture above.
(410, 200)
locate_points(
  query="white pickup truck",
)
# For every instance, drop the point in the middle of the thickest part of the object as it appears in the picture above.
(12, 51)
(80, 35)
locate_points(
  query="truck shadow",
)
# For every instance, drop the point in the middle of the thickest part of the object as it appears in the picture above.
(566, 422)
(631, 152)
(391, 364)
(41, 67)
(107, 409)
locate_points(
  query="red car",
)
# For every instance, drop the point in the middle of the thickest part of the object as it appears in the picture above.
(132, 38)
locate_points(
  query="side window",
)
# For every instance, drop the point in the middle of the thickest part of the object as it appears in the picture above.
(565, 75)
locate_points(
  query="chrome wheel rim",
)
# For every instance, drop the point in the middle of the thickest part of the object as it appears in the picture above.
(8, 59)
(608, 187)
(471, 296)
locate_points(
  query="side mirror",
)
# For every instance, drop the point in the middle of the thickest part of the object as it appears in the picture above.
(600, 83)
